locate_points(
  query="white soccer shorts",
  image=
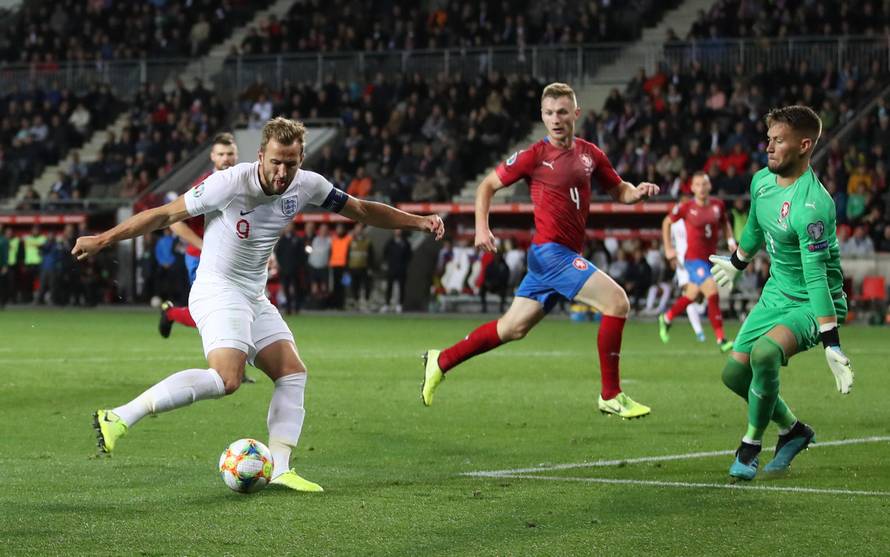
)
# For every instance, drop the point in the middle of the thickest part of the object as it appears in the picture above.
(229, 318)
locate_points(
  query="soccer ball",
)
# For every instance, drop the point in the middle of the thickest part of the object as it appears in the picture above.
(246, 466)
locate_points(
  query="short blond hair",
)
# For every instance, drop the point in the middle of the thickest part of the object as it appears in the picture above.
(283, 130)
(556, 90)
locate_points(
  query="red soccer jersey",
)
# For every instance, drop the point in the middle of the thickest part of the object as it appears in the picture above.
(703, 224)
(559, 180)
(196, 223)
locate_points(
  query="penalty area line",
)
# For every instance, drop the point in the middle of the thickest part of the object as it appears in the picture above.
(660, 458)
(697, 485)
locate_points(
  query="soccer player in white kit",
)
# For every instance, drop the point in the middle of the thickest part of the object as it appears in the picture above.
(246, 207)
(674, 237)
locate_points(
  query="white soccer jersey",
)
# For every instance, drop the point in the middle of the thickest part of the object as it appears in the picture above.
(678, 237)
(243, 223)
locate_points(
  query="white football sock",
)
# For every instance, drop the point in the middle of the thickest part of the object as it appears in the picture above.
(694, 318)
(650, 297)
(180, 389)
(285, 419)
(665, 298)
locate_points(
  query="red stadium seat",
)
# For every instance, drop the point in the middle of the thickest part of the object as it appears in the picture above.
(874, 289)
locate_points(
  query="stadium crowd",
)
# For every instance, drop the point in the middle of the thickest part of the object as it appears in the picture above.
(43, 34)
(404, 25)
(38, 126)
(408, 139)
(770, 20)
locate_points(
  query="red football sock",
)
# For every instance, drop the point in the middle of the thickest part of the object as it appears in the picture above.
(677, 309)
(716, 316)
(479, 341)
(181, 315)
(608, 342)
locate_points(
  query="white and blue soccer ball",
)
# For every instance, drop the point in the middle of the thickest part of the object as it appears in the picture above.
(246, 466)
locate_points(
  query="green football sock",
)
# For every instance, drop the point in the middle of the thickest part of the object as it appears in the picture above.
(766, 359)
(737, 376)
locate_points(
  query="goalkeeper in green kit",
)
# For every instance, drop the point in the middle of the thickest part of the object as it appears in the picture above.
(793, 217)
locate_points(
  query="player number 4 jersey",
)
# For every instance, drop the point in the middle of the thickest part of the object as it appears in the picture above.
(243, 223)
(559, 182)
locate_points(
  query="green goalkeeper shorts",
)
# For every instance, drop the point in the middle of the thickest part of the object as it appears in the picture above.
(775, 308)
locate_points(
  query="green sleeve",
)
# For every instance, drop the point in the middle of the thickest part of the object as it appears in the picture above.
(752, 235)
(813, 237)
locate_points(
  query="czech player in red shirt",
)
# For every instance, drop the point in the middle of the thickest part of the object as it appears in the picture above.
(704, 216)
(223, 154)
(559, 169)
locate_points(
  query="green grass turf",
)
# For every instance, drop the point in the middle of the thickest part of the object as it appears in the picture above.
(392, 468)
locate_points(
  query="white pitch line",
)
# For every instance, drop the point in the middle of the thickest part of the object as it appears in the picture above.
(662, 458)
(696, 485)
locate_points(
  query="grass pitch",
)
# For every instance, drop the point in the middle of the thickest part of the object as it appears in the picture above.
(395, 472)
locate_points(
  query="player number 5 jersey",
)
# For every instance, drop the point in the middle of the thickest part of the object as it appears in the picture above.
(703, 226)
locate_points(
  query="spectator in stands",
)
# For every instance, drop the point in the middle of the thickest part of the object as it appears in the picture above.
(80, 120)
(290, 251)
(33, 242)
(618, 267)
(339, 258)
(30, 200)
(166, 271)
(51, 277)
(495, 280)
(360, 263)
(637, 278)
(361, 185)
(260, 111)
(319, 257)
(199, 35)
(859, 245)
(884, 242)
(396, 256)
(388, 187)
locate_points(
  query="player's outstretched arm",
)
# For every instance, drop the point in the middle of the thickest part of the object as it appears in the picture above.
(382, 215)
(485, 240)
(627, 193)
(138, 224)
(730, 238)
(670, 253)
(183, 231)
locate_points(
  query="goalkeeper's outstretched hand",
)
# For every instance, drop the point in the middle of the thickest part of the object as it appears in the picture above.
(841, 368)
(723, 270)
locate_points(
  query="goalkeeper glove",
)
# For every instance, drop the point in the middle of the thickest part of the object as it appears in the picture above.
(838, 362)
(726, 269)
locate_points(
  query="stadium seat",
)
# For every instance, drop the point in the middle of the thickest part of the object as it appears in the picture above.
(874, 289)
(873, 294)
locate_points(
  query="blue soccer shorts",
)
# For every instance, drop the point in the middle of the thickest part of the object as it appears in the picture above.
(191, 264)
(699, 270)
(554, 271)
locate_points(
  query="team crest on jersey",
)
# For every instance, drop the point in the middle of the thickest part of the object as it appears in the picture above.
(512, 159)
(580, 264)
(198, 190)
(587, 161)
(289, 207)
(783, 214)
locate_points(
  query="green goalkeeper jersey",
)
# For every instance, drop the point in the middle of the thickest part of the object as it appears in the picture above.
(796, 226)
